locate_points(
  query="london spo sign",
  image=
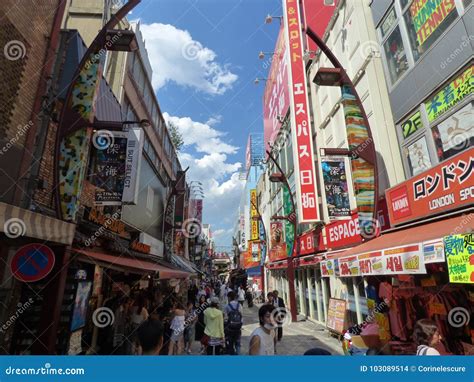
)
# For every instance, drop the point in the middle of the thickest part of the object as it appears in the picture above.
(448, 186)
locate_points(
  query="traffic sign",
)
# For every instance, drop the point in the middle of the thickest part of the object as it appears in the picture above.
(32, 262)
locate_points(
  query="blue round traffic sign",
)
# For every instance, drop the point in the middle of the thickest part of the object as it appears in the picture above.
(32, 262)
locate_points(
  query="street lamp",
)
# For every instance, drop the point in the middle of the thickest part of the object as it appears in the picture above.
(329, 77)
(262, 54)
(280, 177)
(257, 80)
(269, 18)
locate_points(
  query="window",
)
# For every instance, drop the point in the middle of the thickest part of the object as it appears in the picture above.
(389, 21)
(455, 133)
(395, 54)
(418, 156)
(426, 22)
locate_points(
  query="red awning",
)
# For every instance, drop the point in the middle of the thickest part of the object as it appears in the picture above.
(278, 265)
(414, 235)
(307, 260)
(142, 266)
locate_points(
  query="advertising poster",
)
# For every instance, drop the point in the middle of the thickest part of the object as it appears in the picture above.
(404, 260)
(133, 162)
(108, 169)
(371, 263)
(255, 248)
(349, 266)
(79, 311)
(444, 187)
(455, 131)
(418, 156)
(335, 188)
(278, 244)
(433, 251)
(254, 224)
(249, 259)
(336, 320)
(459, 251)
(329, 268)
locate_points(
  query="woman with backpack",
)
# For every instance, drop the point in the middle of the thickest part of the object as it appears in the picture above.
(233, 324)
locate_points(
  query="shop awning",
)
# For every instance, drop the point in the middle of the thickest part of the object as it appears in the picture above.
(414, 235)
(307, 260)
(277, 265)
(185, 264)
(134, 265)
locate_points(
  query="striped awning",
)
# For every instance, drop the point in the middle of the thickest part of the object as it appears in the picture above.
(17, 222)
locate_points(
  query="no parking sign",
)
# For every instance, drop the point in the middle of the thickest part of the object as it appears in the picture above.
(32, 262)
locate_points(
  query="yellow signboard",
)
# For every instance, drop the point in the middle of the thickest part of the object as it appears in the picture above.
(452, 94)
(254, 234)
(459, 250)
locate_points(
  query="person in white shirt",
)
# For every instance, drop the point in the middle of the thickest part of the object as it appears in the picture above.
(426, 335)
(241, 295)
(262, 339)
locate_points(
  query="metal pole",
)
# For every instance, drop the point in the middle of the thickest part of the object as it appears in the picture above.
(290, 271)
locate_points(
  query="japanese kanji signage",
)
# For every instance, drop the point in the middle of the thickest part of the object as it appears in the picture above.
(306, 190)
(461, 87)
(445, 187)
(132, 166)
(254, 235)
(109, 169)
(459, 251)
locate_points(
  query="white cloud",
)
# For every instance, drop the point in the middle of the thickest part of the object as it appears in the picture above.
(219, 176)
(175, 56)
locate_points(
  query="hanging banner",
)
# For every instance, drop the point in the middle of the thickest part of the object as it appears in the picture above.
(289, 227)
(460, 257)
(461, 87)
(349, 266)
(133, 163)
(276, 99)
(306, 189)
(447, 186)
(108, 163)
(433, 251)
(248, 258)
(335, 188)
(404, 260)
(371, 263)
(254, 231)
(255, 249)
(428, 15)
(329, 268)
(278, 244)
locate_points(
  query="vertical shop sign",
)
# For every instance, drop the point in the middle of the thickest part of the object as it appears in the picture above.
(335, 188)
(254, 235)
(132, 166)
(459, 251)
(306, 188)
(109, 170)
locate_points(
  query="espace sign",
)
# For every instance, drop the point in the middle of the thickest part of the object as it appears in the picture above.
(343, 233)
(448, 186)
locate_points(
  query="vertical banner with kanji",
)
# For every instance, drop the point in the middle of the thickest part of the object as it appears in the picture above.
(306, 189)
(254, 229)
(459, 251)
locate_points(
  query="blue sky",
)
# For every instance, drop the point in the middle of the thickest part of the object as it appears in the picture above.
(204, 56)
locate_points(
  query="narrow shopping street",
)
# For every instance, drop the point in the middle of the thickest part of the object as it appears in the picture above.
(298, 337)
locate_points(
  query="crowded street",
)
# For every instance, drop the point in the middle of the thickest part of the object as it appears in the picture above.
(203, 180)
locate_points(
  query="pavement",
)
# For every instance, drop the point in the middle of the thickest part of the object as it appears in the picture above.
(298, 337)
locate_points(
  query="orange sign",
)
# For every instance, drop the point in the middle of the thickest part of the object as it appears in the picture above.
(249, 260)
(278, 244)
(444, 187)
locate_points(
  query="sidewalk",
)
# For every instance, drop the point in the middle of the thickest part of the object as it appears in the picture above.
(297, 336)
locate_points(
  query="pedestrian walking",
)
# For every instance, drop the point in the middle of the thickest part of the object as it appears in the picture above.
(150, 337)
(426, 335)
(190, 325)
(233, 324)
(139, 314)
(177, 330)
(200, 326)
(241, 295)
(262, 339)
(280, 305)
(214, 330)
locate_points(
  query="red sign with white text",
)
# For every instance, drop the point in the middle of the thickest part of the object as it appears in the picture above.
(276, 99)
(343, 233)
(444, 187)
(306, 190)
(309, 243)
